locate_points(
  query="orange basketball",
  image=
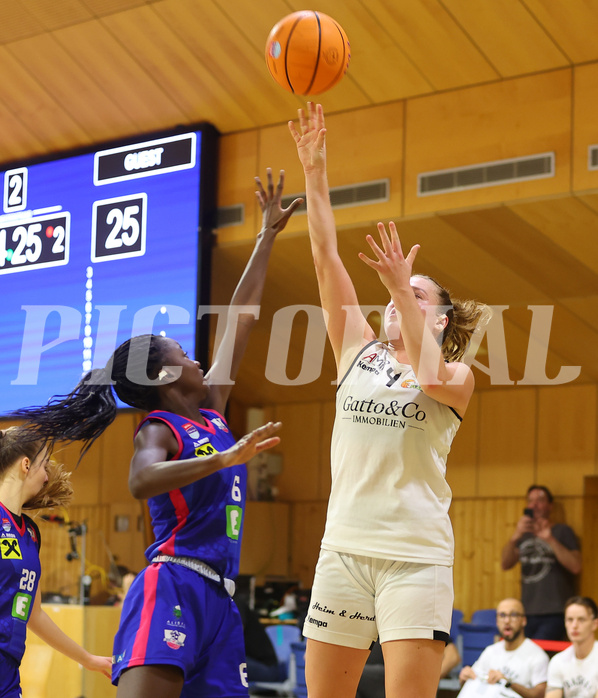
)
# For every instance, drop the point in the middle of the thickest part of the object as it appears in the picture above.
(307, 52)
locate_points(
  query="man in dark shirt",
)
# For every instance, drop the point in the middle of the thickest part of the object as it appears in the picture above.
(550, 560)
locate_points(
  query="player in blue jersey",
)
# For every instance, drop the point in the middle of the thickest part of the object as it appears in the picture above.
(180, 632)
(28, 481)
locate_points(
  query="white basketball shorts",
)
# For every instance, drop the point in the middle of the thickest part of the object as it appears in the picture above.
(355, 599)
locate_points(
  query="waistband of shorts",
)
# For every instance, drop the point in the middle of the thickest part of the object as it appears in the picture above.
(199, 567)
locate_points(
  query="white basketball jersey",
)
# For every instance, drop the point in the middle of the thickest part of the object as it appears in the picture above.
(389, 496)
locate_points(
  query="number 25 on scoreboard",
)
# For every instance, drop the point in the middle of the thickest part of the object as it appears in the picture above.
(119, 228)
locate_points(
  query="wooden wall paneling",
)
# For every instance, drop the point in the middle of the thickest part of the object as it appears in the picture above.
(100, 626)
(428, 33)
(62, 676)
(512, 118)
(507, 441)
(266, 536)
(462, 464)
(127, 546)
(307, 520)
(363, 145)
(60, 575)
(567, 448)
(328, 412)
(482, 526)
(237, 166)
(493, 29)
(589, 551)
(300, 448)
(86, 473)
(585, 129)
(117, 451)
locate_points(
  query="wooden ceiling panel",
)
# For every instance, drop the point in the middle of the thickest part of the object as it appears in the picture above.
(573, 26)
(121, 78)
(497, 29)
(379, 65)
(434, 42)
(71, 86)
(568, 223)
(35, 105)
(228, 56)
(525, 250)
(100, 8)
(186, 81)
(584, 307)
(17, 140)
(60, 13)
(17, 21)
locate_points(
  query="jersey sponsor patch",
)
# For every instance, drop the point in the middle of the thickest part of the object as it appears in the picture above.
(32, 533)
(20, 606)
(205, 450)
(234, 516)
(174, 638)
(220, 424)
(6, 525)
(9, 549)
(411, 383)
(192, 430)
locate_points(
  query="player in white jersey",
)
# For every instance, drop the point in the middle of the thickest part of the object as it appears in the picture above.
(573, 673)
(386, 562)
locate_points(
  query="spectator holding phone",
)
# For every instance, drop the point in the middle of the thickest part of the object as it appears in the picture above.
(550, 560)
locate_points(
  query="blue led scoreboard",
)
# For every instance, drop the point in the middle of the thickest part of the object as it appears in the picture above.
(99, 246)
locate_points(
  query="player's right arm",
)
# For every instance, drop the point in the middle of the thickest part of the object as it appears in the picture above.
(152, 472)
(557, 693)
(347, 327)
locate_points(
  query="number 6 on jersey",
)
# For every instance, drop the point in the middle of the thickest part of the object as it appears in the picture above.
(119, 228)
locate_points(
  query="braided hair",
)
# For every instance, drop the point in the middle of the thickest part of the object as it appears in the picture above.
(86, 412)
(464, 318)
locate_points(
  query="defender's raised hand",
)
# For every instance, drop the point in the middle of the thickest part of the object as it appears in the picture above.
(274, 217)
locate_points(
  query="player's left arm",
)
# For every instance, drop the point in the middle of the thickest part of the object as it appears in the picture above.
(230, 349)
(47, 630)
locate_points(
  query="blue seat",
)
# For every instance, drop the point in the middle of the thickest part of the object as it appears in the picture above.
(478, 634)
(282, 637)
(457, 618)
(451, 682)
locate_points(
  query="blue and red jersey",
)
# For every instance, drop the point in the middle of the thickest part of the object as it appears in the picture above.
(20, 570)
(203, 520)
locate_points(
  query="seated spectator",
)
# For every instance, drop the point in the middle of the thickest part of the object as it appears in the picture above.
(371, 684)
(574, 671)
(514, 661)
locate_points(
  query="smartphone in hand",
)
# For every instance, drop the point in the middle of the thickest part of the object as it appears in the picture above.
(528, 512)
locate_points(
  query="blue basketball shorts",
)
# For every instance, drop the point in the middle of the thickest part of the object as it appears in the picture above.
(10, 680)
(173, 615)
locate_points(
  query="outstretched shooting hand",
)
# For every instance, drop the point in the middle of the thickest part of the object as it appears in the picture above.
(310, 138)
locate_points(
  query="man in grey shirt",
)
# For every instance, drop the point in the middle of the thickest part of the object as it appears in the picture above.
(550, 560)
